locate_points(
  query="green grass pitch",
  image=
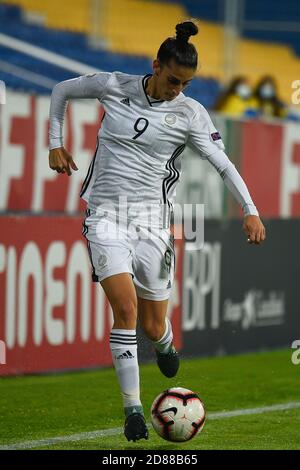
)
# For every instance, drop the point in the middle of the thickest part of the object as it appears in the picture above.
(42, 407)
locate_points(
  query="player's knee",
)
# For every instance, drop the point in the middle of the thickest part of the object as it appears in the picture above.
(154, 331)
(126, 312)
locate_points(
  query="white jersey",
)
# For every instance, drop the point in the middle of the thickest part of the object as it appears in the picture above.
(141, 140)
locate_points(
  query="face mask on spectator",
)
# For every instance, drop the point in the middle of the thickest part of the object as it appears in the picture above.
(267, 91)
(243, 90)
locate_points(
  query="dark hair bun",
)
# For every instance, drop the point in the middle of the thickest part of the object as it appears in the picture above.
(185, 30)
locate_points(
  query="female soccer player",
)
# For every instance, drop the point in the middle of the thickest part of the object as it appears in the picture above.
(148, 122)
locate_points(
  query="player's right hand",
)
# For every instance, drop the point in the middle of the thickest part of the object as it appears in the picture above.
(61, 161)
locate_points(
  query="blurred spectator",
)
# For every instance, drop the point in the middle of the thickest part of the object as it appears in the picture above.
(238, 100)
(267, 99)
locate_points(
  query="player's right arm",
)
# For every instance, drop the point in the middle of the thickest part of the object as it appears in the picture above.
(87, 86)
(61, 161)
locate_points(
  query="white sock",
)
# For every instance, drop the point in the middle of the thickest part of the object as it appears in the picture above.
(123, 347)
(164, 343)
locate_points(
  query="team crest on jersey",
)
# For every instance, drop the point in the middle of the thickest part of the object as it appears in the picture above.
(170, 119)
(216, 136)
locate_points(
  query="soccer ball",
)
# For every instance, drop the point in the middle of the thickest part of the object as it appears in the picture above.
(177, 414)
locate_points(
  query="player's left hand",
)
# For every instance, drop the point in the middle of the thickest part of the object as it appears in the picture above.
(254, 229)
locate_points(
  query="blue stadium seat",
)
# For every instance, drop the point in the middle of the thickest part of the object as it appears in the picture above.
(255, 10)
(74, 46)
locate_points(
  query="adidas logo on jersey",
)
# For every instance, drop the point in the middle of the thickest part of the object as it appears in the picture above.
(125, 355)
(126, 101)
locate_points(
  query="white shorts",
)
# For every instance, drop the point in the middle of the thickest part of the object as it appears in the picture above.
(147, 254)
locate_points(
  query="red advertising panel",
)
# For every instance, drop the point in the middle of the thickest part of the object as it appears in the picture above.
(52, 316)
(296, 196)
(26, 181)
(261, 164)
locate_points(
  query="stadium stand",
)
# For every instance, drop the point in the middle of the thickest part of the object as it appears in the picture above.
(74, 15)
(254, 10)
(74, 46)
(134, 29)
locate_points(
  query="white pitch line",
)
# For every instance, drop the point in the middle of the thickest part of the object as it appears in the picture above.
(84, 436)
(254, 411)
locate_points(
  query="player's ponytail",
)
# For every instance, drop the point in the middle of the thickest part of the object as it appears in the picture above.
(185, 30)
(178, 48)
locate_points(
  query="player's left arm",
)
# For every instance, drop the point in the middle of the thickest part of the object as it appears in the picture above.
(253, 226)
(204, 137)
(254, 229)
